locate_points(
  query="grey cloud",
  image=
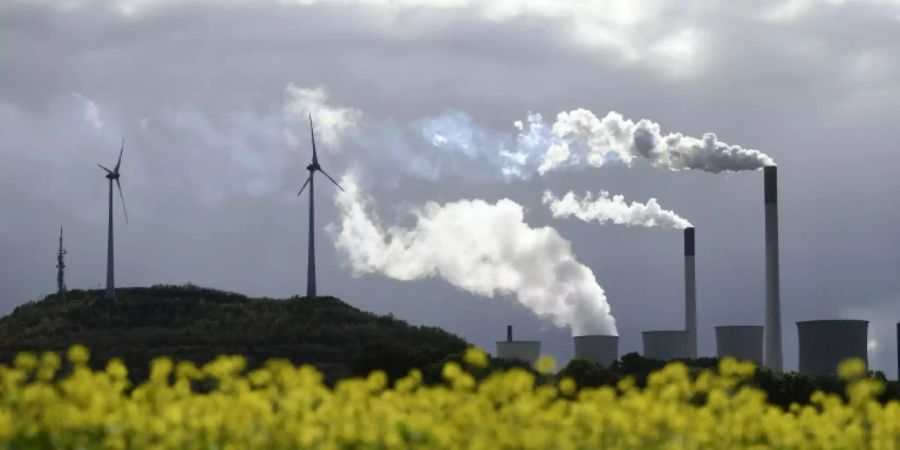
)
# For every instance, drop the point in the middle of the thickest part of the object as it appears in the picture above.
(211, 179)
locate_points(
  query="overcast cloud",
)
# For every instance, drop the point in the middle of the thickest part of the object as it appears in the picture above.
(431, 101)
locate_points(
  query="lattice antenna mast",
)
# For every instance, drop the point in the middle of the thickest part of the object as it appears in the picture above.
(61, 265)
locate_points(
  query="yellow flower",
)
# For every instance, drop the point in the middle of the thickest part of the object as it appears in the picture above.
(567, 386)
(546, 364)
(281, 406)
(476, 357)
(851, 368)
(78, 354)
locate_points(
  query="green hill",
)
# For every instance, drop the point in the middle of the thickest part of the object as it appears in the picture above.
(197, 324)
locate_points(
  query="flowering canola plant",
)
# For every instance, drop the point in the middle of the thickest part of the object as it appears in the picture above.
(281, 406)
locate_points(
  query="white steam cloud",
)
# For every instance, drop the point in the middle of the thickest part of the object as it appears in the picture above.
(579, 138)
(484, 248)
(454, 144)
(330, 121)
(615, 209)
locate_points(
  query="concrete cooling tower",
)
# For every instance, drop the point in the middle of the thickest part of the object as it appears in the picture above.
(825, 343)
(743, 342)
(528, 351)
(666, 345)
(601, 349)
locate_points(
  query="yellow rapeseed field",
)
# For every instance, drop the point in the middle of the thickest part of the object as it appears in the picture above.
(281, 406)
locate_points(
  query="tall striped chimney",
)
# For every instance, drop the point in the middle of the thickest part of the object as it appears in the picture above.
(690, 292)
(772, 356)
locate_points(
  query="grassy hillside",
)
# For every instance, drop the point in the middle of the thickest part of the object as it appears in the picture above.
(196, 324)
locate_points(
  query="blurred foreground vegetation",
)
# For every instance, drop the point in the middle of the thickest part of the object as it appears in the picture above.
(280, 406)
(189, 323)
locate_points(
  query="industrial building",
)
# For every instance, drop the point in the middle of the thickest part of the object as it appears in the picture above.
(528, 351)
(666, 345)
(743, 342)
(601, 349)
(825, 343)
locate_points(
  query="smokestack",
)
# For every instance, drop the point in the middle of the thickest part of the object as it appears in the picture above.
(690, 293)
(509, 333)
(772, 355)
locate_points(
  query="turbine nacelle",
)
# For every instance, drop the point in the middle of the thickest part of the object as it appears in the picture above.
(113, 175)
(314, 166)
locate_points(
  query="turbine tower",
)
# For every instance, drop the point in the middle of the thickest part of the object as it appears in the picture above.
(61, 266)
(311, 252)
(113, 175)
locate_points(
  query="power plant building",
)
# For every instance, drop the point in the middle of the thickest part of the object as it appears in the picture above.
(600, 349)
(743, 342)
(666, 345)
(528, 351)
(826, 343)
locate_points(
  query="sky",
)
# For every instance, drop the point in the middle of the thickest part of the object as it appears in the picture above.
(453, 125)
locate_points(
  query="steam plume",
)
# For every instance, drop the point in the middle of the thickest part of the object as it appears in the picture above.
(614, 209)
(579, 137)
(484, 248)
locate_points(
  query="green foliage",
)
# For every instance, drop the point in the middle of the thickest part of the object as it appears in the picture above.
(198, 324)
(781, 389)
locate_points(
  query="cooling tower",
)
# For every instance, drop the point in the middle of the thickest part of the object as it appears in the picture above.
(690, 294)
(740, 341)
(773, 358)
(666, 345)
(528, 351)
(825, 343)
(601, 349)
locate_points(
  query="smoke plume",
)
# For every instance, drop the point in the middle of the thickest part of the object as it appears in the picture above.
(614, 209)
(483, 248)
(579, 137)
(453, 143)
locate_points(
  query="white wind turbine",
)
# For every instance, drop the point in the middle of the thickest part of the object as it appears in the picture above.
(113, 175)
(311, 253)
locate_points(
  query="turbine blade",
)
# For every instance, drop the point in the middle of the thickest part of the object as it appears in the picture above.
(125, 211)
(304, 185)
(332, 179)
(312, 134)
(121, 150)
(104, 168)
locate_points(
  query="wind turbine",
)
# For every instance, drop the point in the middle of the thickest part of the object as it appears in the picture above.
(311, 253)
(113, 175)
